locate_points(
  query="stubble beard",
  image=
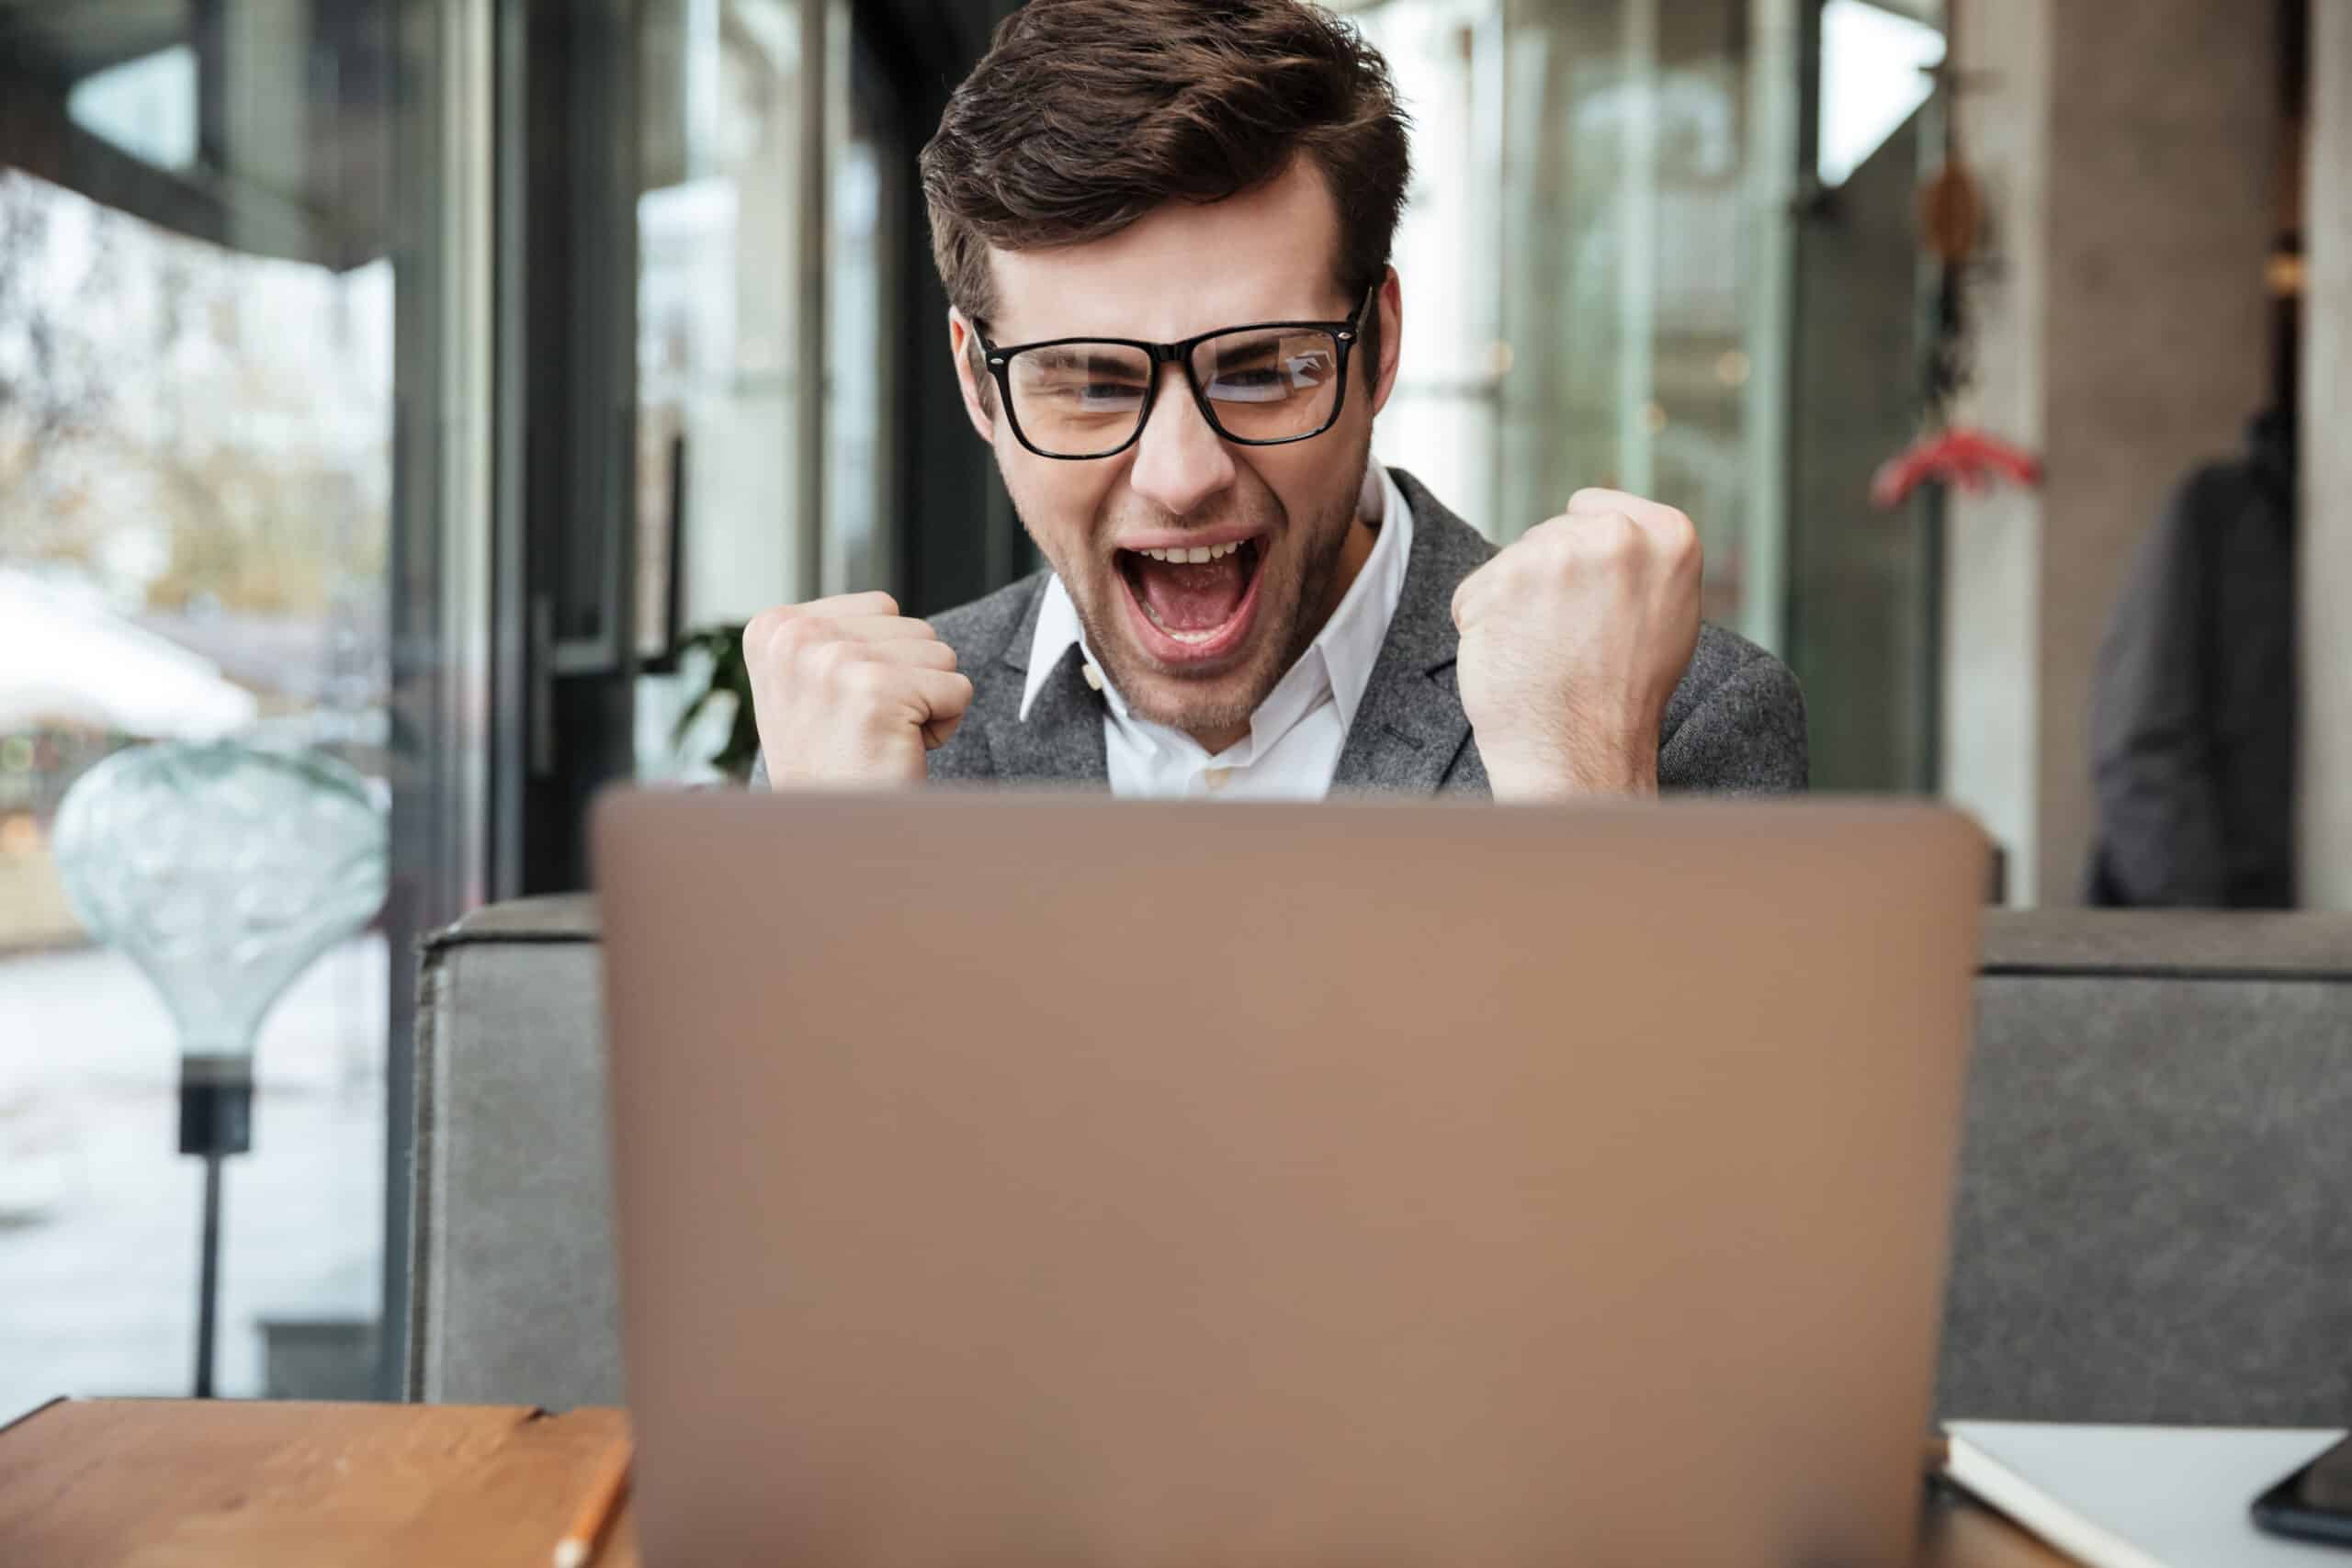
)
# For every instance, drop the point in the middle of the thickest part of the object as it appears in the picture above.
(1290, 620)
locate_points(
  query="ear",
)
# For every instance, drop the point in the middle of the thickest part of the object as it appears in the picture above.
(1390, 303)
(979, 405)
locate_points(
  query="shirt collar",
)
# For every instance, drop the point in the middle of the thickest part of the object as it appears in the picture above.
(1343, 652)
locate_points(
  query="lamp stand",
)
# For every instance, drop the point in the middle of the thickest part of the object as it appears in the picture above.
(216, 1120)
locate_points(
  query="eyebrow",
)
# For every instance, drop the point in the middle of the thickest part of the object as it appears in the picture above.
(1074, 357)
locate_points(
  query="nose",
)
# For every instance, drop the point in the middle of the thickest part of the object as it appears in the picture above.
(1180, 462)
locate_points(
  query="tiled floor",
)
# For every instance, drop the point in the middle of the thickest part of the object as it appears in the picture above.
(97, 1284)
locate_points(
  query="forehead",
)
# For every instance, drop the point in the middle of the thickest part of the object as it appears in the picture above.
(1266, 254)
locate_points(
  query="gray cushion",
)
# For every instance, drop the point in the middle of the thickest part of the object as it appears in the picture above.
(513, 1298)
(2151, 1227)
(2153, 1220)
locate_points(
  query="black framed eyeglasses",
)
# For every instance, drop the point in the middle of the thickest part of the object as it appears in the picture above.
(1073, 399)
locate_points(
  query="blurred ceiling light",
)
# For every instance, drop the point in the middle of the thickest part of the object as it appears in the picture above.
(1874, 66)
(146, 106)
(1731, 368)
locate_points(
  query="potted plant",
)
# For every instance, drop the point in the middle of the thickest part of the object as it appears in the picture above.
(723, 646)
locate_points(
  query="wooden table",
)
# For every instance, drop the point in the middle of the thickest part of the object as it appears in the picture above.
(175, 1484)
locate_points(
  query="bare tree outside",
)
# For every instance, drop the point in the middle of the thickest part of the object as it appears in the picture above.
(57, 369)
(184, 426)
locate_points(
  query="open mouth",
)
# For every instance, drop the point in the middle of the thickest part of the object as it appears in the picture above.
(1195, 603)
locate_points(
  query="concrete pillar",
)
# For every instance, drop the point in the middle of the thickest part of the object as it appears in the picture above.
(2128, 149)
(1993, 544)
(2325, 571)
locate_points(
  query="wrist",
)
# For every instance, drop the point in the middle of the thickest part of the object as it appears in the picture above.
(1627, 770)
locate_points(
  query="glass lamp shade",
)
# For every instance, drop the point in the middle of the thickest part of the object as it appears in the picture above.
(222, 870)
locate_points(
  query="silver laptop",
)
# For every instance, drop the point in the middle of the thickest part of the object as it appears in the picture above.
(1046, 1182)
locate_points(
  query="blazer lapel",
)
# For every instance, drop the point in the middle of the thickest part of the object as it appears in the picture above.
(1061, 740)
(1410, 727)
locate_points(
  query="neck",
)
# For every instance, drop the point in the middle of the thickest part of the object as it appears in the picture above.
(1362, 536)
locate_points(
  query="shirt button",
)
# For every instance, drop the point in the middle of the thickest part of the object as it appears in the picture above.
(1214, 778)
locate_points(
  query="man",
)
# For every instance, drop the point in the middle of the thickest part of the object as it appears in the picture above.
(2193, 701)
(1164, 228)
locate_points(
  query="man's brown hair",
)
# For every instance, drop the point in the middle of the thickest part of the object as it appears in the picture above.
(1085, 114)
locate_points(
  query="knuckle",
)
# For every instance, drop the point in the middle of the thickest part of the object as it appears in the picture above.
(826, 663)
(805, 635)
(1681, 542)
(1538, 556)
(1606, 538)
(760, 631)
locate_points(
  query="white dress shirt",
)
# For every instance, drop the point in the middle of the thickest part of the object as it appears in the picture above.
(1296, 735)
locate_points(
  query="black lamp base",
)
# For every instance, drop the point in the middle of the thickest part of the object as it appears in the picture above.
(216, 1105)
(216, 1120)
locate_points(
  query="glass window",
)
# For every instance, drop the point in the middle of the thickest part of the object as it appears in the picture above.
(867, 212)
(198, 352)
(1443, 417)
(721, 305)
(1593, 264)
(717, 328)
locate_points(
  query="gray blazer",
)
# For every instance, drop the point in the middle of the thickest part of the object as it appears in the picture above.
(1735, 723)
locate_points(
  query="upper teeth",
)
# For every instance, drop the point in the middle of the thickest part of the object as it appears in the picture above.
(1195, 555)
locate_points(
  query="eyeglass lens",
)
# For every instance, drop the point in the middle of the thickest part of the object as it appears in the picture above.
(1081, 400)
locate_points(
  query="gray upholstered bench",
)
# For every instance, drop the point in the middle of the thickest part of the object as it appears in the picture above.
(2155, 1208)
(512, 1293)
(2154, 1220)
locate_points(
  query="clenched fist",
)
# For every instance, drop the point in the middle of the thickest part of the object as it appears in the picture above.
(1572, 639)
(850, 692)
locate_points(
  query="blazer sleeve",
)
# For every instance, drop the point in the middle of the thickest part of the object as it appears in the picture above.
(1746, 736)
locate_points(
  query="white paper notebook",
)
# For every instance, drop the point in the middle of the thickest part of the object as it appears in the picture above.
(2141, 1496)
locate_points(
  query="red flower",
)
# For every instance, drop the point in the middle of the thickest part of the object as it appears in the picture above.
(1968, 458)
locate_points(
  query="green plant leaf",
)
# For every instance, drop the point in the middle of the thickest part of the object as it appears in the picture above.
(730, 673)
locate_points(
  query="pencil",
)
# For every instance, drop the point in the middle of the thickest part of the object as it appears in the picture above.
(588, 1525)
